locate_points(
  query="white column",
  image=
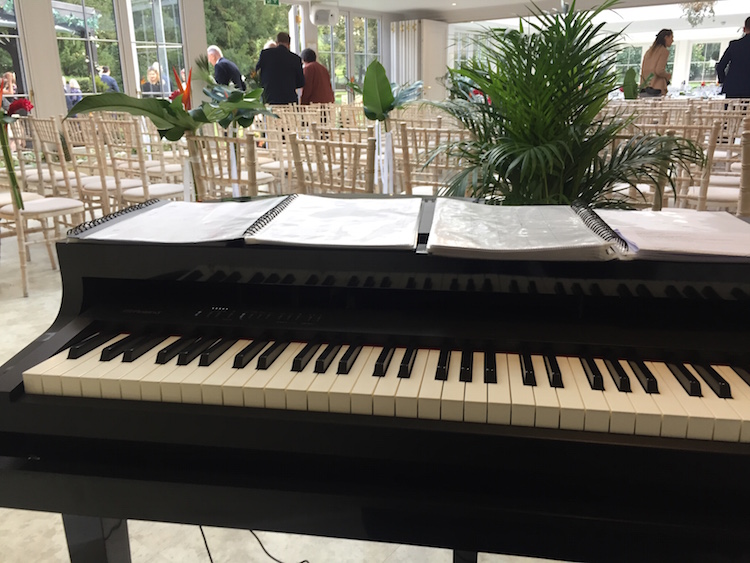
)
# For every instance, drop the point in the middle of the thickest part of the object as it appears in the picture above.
(125, 39)
(194, 42)
(41, 59)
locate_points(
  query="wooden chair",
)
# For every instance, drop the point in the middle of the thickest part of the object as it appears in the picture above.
(743, 203)
(329, 166)
(226, 167)
(126, 152)
(32, 171)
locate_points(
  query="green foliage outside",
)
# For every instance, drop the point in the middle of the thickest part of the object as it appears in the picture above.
(532, 101)
(241, 29)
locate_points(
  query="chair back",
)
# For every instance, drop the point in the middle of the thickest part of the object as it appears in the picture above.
(125, 145)
(223, 166)
(64, 178)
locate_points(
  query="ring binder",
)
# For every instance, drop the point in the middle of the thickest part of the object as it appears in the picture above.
(85, 226)
(594, 222)
(269, 215)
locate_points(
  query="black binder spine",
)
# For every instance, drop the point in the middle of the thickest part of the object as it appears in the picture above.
(83, 227)
(599, 226)
(269, 215)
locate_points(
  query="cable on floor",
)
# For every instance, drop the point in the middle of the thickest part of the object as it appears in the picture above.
(266, 551)
(211, 559)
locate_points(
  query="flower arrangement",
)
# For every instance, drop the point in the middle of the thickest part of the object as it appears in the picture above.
(6, 118)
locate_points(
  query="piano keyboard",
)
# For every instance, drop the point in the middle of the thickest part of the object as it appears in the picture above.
(704, 402)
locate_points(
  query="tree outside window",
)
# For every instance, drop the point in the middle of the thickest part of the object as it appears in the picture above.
(703, 59)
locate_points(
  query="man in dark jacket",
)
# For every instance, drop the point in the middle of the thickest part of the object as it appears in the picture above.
(280, 72)
(225, 71)
(734, 67)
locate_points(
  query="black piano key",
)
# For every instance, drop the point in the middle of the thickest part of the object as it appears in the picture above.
(621, 379)
(88, 344)
(490, 368)
(467, 359)
(644, 376)
(166, 354)
(718, 384)
(304, 356)
(686, 379)
(593, 374)
(246, 355)
(347, 360)
(553, 371)
(383, 361)
(407, 363)
(527, 370)
(441, 374)
(743, 373)
(119, 347)
(216, 351)
(141, 347)
(323, 361)
(196, 349)
(269, 356)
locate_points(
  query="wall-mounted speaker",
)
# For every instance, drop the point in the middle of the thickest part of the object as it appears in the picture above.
(324, 15)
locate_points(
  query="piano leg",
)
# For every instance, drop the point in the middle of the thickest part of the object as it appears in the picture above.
(464, 556)
(96, 540)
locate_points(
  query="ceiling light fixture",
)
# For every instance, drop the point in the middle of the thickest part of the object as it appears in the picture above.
(695, 12)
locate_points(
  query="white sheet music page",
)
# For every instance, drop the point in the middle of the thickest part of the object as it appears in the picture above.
(362, 222)
(531, 232)
(682, 234)
(184, 222)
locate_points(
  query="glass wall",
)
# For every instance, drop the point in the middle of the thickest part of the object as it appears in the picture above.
(629, 57)
(86, 41)
(158, 44)
(11, 69)
(347, 48)
(703, 59)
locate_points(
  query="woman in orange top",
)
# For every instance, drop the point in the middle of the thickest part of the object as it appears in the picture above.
(655, 63)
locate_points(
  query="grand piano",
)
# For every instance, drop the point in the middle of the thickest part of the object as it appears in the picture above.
(586, 411)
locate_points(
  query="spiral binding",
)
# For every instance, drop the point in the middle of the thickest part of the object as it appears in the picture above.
(83, 227)
(598, 226)
(269, 215)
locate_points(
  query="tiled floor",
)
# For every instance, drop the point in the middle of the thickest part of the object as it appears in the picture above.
(33, 537)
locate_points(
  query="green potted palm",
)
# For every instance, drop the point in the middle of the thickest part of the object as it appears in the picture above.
(533, 99)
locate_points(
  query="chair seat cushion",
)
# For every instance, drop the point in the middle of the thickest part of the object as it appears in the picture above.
(47, 205)
(111, 185)
(5, 197)
(722, 180)
(717, 194)
(33, 175)
(157, 191)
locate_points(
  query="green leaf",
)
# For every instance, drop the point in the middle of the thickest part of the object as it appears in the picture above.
(155, 109)
(377, 96)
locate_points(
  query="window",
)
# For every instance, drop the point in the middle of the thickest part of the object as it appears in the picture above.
(158, 43)
(464, 47)
(347, 48)
(703, 59)
(11, 68)
(629, 57)
(86, 41)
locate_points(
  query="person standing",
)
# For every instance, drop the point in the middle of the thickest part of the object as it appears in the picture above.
(225, 71)
(733, 69)
(280, 72)
(317, 89)
(108, 81)
(152, 87)
(655, 63)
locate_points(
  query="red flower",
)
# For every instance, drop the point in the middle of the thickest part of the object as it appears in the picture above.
(173, 95)
(18, 105)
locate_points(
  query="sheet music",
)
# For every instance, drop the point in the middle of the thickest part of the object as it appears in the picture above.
(185, 222)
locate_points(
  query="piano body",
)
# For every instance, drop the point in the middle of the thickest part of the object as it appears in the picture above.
(430, 466)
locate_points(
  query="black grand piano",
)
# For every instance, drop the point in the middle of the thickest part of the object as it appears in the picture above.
(549, 483)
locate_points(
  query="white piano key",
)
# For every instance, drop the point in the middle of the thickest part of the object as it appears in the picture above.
(622, 413)
(224, 386)
(700, 423)
(288, 389)
(191, 388)
(452, 399)
(523, 410)
(475, 394)
(339, 397)
(361, 395)
(648, 416)
(253, 392)
(545, 396)
(150, 384)
(130, 382)
(572, 413)
(407, 394)
(384, 394)
(111, 382)
(740, 401)
(674, 419)
(498, 394)
(428, 401)
(727, 423)
(595, 406)
(318, 392)
(32, 377)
